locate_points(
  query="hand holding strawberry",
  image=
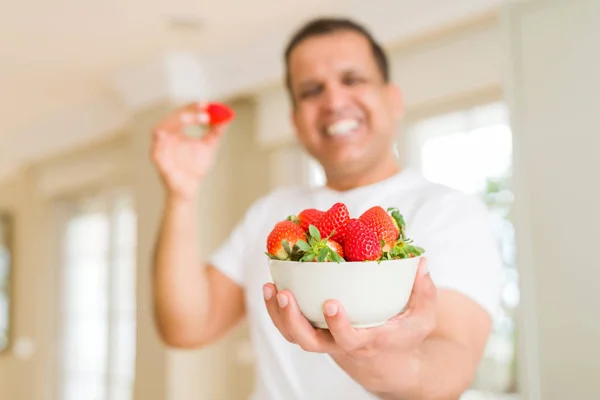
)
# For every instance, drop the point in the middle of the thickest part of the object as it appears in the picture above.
(183, 161)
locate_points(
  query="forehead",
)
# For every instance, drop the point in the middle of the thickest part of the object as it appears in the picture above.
(332, 53)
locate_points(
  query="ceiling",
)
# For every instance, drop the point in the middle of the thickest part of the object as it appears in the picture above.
(58, 53)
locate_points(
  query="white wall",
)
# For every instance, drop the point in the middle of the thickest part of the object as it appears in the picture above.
(449, 67)
(555, 101)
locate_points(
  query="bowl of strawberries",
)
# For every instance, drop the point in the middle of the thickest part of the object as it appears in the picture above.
(367, 263)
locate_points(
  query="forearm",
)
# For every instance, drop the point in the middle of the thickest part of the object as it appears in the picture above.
(180, 284)
(443, 369)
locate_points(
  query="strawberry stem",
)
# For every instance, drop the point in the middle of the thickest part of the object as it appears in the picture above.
(316, 248)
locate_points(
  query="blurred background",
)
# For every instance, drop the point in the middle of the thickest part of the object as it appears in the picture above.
(502, 101)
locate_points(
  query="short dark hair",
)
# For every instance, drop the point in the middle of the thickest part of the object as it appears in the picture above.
(325, 26)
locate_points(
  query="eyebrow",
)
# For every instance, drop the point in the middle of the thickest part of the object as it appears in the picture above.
(344, 72)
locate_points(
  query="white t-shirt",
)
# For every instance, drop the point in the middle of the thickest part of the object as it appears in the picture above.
(451, 226)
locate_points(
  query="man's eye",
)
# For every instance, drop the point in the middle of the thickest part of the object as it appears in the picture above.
(352, 80)
(310, 92)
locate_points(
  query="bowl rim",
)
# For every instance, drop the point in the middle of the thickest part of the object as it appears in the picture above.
(289, 262)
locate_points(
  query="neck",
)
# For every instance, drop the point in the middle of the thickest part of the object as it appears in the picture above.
(350, 180)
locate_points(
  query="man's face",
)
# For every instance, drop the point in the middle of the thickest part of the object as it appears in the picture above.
(345, 113)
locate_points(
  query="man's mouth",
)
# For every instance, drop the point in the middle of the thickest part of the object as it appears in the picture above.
(343, 127)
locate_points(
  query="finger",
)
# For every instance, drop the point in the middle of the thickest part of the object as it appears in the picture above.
(202, 117)
(214, 133)
(190, 114)
(424, 293)
(158, 145)
(201, 105)
(270, 295)
(420, 315)
(300, 329)
(345, 335)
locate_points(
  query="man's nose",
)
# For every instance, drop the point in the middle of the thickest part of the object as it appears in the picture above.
(336, 98)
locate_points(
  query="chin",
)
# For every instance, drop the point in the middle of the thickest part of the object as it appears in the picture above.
(341, 160)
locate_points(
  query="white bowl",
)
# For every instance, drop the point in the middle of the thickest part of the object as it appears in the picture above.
(370, 293)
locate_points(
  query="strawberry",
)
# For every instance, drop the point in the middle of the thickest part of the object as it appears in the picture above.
(403, 249)
(283, 238)
(307, 217)
(320, 249)
(385, 227)
(333, 222)
(219, 113)
(336, 247)
(360, 242)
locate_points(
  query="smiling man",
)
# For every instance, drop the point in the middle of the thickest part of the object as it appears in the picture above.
(345, 111)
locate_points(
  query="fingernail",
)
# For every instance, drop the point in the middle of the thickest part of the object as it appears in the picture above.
(267, 292)
(331, 309)
(202, 118)
(282, 300)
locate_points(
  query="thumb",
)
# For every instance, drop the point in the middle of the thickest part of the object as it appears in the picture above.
(424, 293)
(214, 133)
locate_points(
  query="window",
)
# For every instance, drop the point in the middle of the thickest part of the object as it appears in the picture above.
(471, 151)
(98, 299)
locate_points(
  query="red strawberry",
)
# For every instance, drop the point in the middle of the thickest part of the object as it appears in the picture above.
(334, 219)
(219, 113)
(335, 246)
(307, 217)
(385, 227)
(283, 238)
(361, 243)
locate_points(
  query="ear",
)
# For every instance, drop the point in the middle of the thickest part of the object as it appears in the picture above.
(396, 101)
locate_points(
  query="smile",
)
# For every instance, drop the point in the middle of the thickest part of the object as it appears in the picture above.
(343, 127)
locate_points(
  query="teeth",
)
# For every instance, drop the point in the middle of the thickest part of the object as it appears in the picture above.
(342, 127)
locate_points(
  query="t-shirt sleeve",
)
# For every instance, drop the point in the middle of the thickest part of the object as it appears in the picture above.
(230, 256)
(461, 248)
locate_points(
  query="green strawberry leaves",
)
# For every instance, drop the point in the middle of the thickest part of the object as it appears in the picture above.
(315, 248)
(323, 254)
(286, 246)
(304, 246)
(314, 232)
(399, 219)
(403, 247)
(402, 250)
(334, 257)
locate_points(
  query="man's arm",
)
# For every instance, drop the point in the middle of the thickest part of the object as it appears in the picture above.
(194, 303)
(445, 362)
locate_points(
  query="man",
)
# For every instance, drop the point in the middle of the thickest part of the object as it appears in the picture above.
(345, 112)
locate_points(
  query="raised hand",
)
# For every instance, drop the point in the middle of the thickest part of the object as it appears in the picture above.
(182, 161)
